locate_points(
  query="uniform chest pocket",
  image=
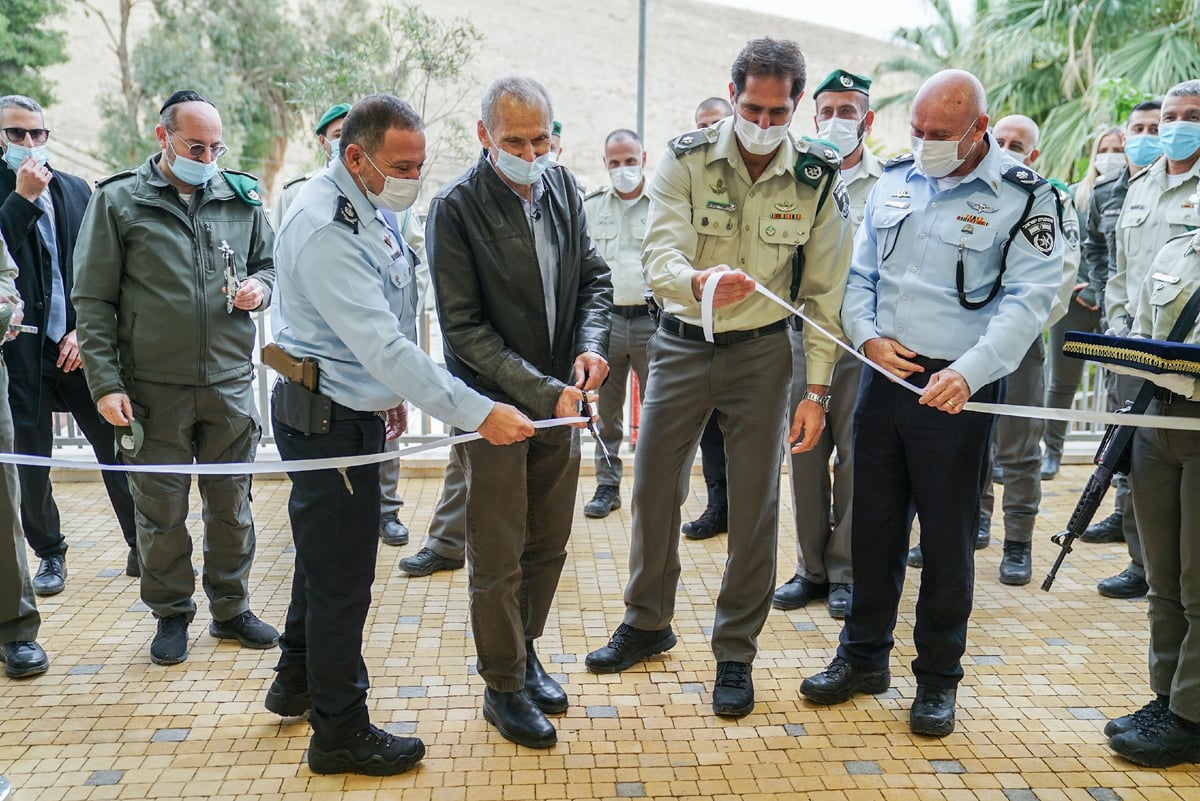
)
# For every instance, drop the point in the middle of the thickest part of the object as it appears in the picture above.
(887, 221)
(714, 222)
(1133, 217)
(784, 233)
(1184, 215)
(973, 243)
(637, 229)
(603, 228)
(1164, 293)
(400, 273)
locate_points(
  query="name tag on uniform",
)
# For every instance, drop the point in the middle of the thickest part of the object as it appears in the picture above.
(897, 204)
(1166, 279)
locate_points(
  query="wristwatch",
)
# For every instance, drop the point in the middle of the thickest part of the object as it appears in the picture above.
(820, 400)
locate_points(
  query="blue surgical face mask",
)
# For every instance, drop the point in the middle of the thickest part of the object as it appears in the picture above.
(335, 148)
(1141, 149)
(196, 173)
(16, 154)
(520, 171)
(1180, 140)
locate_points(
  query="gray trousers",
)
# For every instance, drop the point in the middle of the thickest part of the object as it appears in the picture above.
(520, 504)
(1017, 450)
(747, 385)
(1127, 388)
(822, 554)
(19, 618)
(1063, 373)
(212, 424)
(626, 349)
(389, 482)
(448, 527)
(1166, 491)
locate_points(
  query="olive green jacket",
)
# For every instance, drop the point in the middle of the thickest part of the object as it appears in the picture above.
(149, 275)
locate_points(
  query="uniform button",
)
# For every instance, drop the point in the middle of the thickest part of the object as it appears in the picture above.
(741, 261)
(933, 205)
(900, 330)
(912, 268)
(747, 228)
(906, 297)
(921, 236)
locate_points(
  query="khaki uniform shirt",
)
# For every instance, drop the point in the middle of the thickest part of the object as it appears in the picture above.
(705, 211)
(1151, 215)
(1174, 275)
(869, 171)
(618, 229)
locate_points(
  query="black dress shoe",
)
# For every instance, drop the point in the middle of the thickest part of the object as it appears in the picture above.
(288, 694)
(1123, 585)
(51, 577)
(1157, 708)
(1162, 742)
(392, 531)
(1110, 529)
(733, 691)
(517, 719)
(427, 561)
(133, 568)
(836, 683)
(839, 599)
(370, 751)
(606, 499)
(23, 658)
(932, 712)
(627, 647)
(797, 592)
(915, 557)
(546, 693)
(712, 521)
(984, 538)
(1016, 568)
(1050, 465)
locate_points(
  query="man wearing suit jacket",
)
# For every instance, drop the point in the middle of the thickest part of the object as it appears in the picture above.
(40, 213)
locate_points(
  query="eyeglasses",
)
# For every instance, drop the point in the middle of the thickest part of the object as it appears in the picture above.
(197, 150)
(17, 135)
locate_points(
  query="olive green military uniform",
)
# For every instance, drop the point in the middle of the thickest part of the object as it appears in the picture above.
(618, 229)
(19, 619)
(1166, 487)
(153, 324)
(822, 554)
(705, 211)
(1152, 213)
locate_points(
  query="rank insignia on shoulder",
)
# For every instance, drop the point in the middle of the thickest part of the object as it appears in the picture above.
(1039, 232)
(345, 214)
(682, 145)
(903, 158)
(1022, 176)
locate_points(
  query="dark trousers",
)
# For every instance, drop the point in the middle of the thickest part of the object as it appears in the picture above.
(39, 512)
(911, 458)
(336, 533)
(712, 460)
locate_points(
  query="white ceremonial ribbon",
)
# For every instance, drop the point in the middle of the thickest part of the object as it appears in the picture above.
(707, 294)
(1004, 409)
(255, 468)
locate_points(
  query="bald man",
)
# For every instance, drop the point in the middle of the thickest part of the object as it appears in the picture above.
(172, 259)
(934, 298)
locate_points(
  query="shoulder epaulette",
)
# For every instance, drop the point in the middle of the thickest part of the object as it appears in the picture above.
(816, 160)
(116, 175)
(694, 140)
(1022, 176)
(345, 213)
(599, 190)
(299, 179)
(244, 185)
(896, 161)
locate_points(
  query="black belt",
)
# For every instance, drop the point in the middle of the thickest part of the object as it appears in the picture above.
(1167, 396)
(673, 325)
(339, 412)
(931, 365)
(631, 312)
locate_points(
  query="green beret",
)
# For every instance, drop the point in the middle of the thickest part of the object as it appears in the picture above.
(334, 113)
(843, 81)
(556, 128)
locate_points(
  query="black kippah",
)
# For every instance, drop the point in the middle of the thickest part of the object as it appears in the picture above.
(183, 96)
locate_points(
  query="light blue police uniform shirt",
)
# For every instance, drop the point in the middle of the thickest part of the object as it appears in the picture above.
(902, 281)
(345, 294)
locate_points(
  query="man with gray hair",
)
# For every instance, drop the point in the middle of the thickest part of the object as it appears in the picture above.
(40, 213)
(173, 257)
(524, 301)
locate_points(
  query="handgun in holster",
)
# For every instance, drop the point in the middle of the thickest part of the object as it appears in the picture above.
(295, 400)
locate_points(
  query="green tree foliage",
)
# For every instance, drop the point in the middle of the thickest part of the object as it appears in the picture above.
(27, 45)
(1075, 66)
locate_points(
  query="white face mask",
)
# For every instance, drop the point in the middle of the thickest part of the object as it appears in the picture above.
(520, 171)
(844, 134)
(1108, 164)
(759, 141)
(398, 193)
(938, 158)
(626, 179)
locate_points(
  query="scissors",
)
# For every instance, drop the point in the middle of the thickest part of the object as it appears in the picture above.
(585, 409)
